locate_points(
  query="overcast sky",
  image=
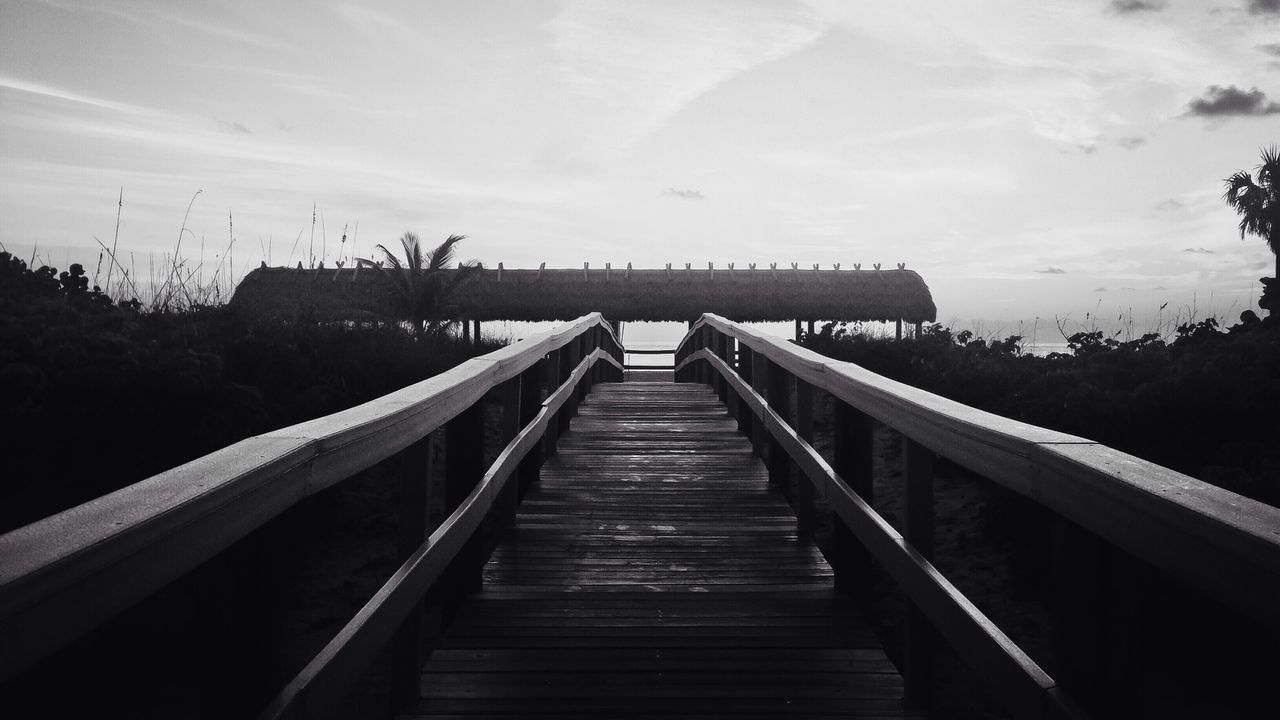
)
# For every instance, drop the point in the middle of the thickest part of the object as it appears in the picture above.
(1027, 158)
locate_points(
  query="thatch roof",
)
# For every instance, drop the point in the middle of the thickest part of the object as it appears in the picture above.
(658, 295)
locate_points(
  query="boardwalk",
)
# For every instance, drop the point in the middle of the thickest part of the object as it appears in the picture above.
(654, 573)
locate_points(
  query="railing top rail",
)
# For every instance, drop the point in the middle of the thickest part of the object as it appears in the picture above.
(324, 681)
(1221, 542)
(124, 545)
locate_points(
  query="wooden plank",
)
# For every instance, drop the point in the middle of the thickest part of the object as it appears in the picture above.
(639, 578)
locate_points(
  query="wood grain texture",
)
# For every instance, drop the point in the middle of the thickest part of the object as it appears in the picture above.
(1211, 538)
(653, 572)
(124, 546)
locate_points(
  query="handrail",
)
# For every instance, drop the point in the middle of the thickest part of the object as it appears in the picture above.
(324, 681)
(1218, 541)
(123, 546)
(1028, 690)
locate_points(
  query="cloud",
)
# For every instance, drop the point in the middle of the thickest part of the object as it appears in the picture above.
(1264, 7)
(1099, 289)
(643, 63)
(1219, 101)
(1131, 143)
(1170, 204)
(1051, 270)
(1271, 49)
(233, 127)
(688, 194)
(1133, 6)
(67, 95)
(1198, 250)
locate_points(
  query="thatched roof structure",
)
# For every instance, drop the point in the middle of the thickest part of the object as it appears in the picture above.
(627, 295)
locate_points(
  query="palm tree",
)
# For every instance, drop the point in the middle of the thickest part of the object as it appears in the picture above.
(422, 283)
(1258, 203)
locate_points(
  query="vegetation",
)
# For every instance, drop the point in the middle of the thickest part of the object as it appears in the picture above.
(1258, 205)
(1202, 402)
(421, 289)
(96, 394)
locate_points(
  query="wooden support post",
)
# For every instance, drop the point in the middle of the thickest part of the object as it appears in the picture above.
(805, 516)
(581, 349)
(705, 342)
(464, 466)
(759, 383)
(719, 343)
(920, 327)
(920, 636)
(798, 331)
(475, 336)
(466, 330)
(853, 462)
(407, 653)
(744, 413)
(810, 332)
(550, 381)
(504, 507)
(530, 405)
(778, 392)
(898, 332)
(1098, 617)
(568, 361)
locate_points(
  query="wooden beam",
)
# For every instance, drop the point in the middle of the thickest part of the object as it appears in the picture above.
(919, 641)
(853, 462)
(805, 513)
(414, 469)
(464, 466)
(779, 395)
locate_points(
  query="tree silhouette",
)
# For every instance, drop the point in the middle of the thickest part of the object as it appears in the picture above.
(422, 284)
(1258, 204)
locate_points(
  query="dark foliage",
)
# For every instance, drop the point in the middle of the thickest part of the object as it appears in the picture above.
(95, 395)
(1204, 403)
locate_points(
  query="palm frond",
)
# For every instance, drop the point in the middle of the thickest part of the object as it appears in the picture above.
(442, 257)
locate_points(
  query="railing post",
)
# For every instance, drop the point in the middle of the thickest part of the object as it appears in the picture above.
(464, 466)
(708, 343)
(718, 340)
(504, 506)
(551, 380)
(530, 405)
(406, 652)
(744, 413)
(566, 364)
(853, 458)
(779, 397)
(730, 356)
(699, 368)
(920, 637)
(759, 383)
(804, 428)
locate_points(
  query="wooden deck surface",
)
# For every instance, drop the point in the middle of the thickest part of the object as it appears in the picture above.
(654, 573)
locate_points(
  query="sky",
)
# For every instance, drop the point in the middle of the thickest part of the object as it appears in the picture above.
(1029, 159)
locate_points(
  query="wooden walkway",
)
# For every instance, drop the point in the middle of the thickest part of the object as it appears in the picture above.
(654, 573)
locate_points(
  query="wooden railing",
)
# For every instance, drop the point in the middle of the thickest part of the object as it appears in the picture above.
(1219, 543)
(69, 573)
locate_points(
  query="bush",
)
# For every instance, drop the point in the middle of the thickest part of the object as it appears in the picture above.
(96, 395)
(1204, 404)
